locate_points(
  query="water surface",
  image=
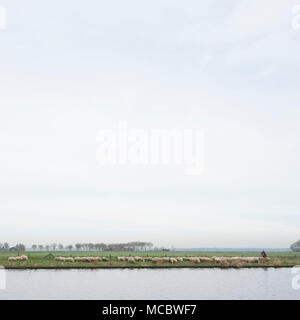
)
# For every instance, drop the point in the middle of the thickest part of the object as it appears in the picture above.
(257, 283)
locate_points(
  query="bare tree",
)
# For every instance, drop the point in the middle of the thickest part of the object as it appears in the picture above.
(149, 245)
(60, 246)
(6, 246)
(78, 246)
(91, 246)
(20, 247)
(41, 247)
(85, 246)
(98, 246)
(69, 247)
(34, 246)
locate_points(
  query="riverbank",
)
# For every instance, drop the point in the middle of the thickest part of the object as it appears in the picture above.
(110, 260)
(144, 267)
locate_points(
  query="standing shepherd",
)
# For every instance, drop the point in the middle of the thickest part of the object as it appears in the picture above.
(264, 255)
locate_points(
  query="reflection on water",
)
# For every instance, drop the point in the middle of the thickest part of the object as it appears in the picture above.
(255, 283)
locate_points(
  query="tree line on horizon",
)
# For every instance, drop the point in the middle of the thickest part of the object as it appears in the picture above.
(129, 246)
(6, 246)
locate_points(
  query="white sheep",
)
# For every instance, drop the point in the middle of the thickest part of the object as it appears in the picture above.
(60, 259)
(157, 260)
(12, 259)
(206, 260)
(139, 259)
(121, 259)
(78, 259)
(148, 259)
(69, 259)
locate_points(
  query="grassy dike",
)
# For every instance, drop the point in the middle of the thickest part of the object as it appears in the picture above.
(37, 259)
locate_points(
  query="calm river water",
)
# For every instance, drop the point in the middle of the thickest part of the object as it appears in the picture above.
(150, 284)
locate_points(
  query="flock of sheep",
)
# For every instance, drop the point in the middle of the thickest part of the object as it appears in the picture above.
(194, 259)
(160, 260)
(80, 259)
(21, 258)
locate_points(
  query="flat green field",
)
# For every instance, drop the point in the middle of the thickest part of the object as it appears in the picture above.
(38, 259)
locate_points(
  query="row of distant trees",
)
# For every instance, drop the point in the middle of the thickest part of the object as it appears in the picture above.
(136, 245)
(6, 246)
(132, 246)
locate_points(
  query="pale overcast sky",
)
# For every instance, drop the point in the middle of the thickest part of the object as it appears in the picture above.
(71, 68)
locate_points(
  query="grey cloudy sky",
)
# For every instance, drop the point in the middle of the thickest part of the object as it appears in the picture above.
(71, 68)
